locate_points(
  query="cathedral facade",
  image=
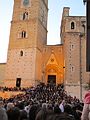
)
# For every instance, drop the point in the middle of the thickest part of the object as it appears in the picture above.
(31, 61)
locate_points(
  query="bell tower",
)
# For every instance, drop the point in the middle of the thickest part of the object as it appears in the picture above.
(28, 36)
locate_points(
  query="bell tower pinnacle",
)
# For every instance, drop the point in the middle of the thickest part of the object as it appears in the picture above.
(28, 36)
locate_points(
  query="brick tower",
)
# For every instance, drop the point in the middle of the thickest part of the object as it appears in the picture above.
(73, 35)
(28, 35)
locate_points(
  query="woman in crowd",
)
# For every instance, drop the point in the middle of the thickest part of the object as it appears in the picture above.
(86, 108)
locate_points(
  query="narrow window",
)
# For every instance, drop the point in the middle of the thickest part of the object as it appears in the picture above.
(83, 28)
(25, 16)
(23, 34)
(72, 69)
(72, 25)
(72, 47)
(21, 53)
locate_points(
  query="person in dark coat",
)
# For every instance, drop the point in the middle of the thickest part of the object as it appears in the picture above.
(13, 114)
(33, 112)
(41, 115)
(3, 114)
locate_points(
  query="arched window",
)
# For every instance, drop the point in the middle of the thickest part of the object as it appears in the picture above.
(83, 25)
(21, 53)
(72, 68)
(72, 25)
(25, 15)
(23, 34)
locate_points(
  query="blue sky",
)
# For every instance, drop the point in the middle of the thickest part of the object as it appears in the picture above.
(54, 19)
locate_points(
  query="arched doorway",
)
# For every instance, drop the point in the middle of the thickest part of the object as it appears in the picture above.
(53, 74)
(51, 79)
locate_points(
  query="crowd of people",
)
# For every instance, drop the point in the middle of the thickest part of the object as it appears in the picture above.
(44, 102)
(11, 89)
